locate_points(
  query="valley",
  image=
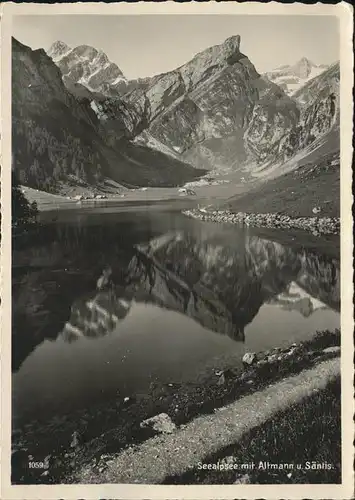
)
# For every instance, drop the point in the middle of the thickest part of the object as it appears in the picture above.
(215, 116)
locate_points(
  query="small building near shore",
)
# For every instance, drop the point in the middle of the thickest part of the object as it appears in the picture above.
(186, 191)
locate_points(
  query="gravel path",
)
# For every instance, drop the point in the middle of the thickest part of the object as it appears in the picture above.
(172, 454)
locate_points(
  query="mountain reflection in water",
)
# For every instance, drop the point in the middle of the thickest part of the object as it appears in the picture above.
(74, 281)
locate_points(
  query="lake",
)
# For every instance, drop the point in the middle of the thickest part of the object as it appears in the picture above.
(108, 305)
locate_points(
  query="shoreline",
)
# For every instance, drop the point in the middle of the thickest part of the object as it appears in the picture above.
(53, 202)
(179, 403)
(315, 225)
(127, 202)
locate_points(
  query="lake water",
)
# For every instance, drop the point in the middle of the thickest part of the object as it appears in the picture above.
(106, 303)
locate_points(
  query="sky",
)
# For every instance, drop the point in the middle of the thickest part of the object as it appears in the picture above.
(145, 45)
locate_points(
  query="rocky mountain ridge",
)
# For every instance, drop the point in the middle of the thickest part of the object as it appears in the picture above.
(217, 112)
(87, 66)
(214, 111)
(59, 140)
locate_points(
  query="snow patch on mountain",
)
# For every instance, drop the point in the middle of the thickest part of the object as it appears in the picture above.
(97, 108)
(298, 299)
(292, 78)
(119, 79)
(87, 66)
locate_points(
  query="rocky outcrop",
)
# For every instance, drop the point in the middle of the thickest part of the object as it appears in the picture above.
(59, 140)
(272, 121)
(120, 119)
(326, 83)
(160, 423)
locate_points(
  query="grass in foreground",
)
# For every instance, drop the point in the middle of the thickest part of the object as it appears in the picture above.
(308, 434)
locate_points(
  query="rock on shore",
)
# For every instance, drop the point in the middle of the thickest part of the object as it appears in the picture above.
(316, 225)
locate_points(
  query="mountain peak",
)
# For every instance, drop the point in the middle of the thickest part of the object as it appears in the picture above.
(305, 60)
(291, 77)
(303, 67)
(227, 48)
(57, 49)
(88, 66)
(232, 42)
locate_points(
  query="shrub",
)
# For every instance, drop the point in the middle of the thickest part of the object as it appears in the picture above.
(23, 212)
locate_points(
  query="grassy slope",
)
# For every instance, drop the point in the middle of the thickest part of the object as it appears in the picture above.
(313, 184)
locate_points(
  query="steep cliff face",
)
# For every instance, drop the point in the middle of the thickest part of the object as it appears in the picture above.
(119, 118)
(272, 121)
(211, 111)
(59, 139)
